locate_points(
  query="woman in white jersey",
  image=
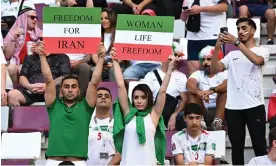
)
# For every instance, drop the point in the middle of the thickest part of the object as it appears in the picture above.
(139, 130)
(108, 22)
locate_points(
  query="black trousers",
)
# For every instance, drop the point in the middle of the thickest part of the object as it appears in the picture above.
(125, 9)
(255, 120)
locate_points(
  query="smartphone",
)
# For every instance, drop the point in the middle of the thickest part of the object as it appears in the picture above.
(185, 8)
(223, 29)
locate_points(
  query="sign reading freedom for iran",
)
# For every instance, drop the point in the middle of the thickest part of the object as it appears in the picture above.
(144, 38)
(71, 30)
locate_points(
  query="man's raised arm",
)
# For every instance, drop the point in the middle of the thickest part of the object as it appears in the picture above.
(50, 91)
(91, 92)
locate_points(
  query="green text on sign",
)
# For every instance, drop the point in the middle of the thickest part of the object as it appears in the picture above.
(145, 23)
(71, 15)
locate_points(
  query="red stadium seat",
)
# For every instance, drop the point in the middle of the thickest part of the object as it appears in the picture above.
(30, 119)
(169, 135)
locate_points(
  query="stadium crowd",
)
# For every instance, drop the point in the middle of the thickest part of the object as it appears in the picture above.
(219, 91)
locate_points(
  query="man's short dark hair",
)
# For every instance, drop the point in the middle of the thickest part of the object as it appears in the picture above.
(70, 76)
(106, 89)
(193, 108)
(249, 21)
(272, 136)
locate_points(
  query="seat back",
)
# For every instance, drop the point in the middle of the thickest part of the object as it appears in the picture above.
(169, 135)
(4, 118)
(30, 119)
(219, 138)
(21, 145)
(39, 12)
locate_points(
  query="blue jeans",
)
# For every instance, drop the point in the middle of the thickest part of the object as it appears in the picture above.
(139, 70)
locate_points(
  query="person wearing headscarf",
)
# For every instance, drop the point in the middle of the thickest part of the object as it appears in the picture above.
(25, 29)
(209, 90)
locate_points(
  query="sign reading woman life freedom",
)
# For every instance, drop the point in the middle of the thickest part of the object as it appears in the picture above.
(71, 30)
(145, 38)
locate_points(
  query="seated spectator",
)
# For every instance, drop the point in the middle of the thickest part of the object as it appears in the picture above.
(193, 146)
(138, 69)
(251, 8)
(15, 43)
(12, 7)
(176, 89)
(209, 90)
(135, 7)
(269, 159)
(84, 3)
(108, 21)
(31, 78)
(101, 148)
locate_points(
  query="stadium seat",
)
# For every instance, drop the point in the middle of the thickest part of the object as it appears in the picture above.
(21, 145)
(30, 119)
(39, 12)
(4, 118)
(15, 162)
(182, 67)
(169, 135)
(219, 138)
(179, 29)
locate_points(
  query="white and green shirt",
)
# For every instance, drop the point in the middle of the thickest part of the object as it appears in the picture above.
(193, 149)
(100, 140)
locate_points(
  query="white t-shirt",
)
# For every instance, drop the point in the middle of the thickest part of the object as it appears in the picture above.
(210, 23)
(193, 149)
(245, 79)
(100, 140)
(176, 85)
(261, 160)
(205, 83)
(11, 9)
(76, 57)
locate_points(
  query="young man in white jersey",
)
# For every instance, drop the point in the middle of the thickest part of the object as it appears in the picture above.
(269, 159)
(245, 99)
(209, 91)
(101, 149)
(193, 146)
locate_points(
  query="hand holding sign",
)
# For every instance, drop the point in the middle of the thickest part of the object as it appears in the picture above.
(101, 51)
(113, 54)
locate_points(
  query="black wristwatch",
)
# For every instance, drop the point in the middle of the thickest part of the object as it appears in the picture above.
(237, 42)
(213, 89)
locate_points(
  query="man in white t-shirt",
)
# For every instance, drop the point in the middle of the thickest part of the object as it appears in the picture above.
(212, 18)
(193, 146)
(245, 99)
(208, 90)
(269, 159)
(101, 148)
(176, 89)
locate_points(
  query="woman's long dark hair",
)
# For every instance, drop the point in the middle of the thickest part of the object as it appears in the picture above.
(112, 16)
(148, 93)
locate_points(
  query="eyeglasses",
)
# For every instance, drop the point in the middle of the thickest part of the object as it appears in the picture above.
(33, 17)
